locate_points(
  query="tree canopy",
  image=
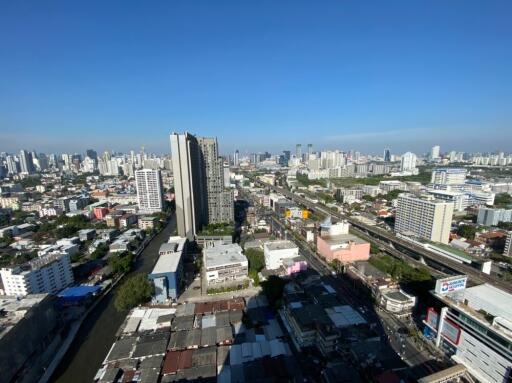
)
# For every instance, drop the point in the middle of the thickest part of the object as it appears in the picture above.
(466, 231)
(134, 291)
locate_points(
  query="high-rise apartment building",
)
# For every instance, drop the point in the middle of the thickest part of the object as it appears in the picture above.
(199, 184)
(26, 162)
(426, 218)
(46, 274)
(448, 176)
(298, 151)
(12, 165)
(434, 152)
(408, 162)
(149, 190)
(236, 158)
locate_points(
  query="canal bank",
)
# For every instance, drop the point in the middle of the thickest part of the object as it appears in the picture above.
(98, 331)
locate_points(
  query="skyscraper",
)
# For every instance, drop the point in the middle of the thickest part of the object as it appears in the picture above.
(236, 158)
(434, 152)
(199, 184)
(298, 151)
(310, 149)
(387, 155)
(149, 190)
(408, 162)
(26, 163)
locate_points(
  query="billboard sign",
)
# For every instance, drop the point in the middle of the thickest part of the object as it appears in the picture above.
(432, 319)
(448, 285)
(451, 331)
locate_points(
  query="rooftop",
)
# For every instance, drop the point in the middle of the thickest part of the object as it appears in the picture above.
(343, 238)
(280, 245)
(14, 309)
(220, 255)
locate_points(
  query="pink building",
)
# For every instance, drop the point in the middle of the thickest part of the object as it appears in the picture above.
(293, 266)
(346, 248)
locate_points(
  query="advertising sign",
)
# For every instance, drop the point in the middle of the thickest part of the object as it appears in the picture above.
(432, 318)
(451, 331)
(448, 285)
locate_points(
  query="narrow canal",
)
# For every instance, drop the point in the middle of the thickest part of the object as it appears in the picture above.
(98, 331)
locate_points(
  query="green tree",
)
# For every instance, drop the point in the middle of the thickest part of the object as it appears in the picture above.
(256, 263)
(368, 198)
(121, 263)
(100, 251)
(503, 199)
(134, 291)
(467, 231)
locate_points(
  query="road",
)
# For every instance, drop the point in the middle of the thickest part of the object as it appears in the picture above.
(402, 344)
(474, 274)
(98, 332)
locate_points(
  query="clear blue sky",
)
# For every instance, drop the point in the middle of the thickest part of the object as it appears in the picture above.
(259, 75)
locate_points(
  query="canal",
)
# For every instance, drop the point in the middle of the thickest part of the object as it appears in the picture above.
(98, 331)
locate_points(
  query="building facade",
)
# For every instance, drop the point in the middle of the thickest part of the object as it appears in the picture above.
(149, 190)
(45, 274)
(225, 264)
(425, 218)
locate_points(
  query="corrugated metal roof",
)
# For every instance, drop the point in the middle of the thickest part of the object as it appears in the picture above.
(171, 362)
(208, 321)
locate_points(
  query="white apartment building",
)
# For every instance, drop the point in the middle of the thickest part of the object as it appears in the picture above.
(459, 199)
(408, 162)
(491, 217)
(276, 251)
(448, 176)
(46, 274)
(225, 264)
(149, 190)
(508, 245)
(434, 152)
(426, 218)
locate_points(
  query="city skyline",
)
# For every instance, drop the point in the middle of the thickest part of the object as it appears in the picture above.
(340, 75)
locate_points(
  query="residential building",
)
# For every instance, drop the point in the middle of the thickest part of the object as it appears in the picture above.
(30, 329)
(126, 220)
(408, 162)
(491, 217)
(448, 176)
(277, 251)
(146, 222)
(201, 197)
(149, 190)
(225, 264)
(167, 275)
(473, 327)
(424, 217)
(26, 162)
(45, 274)
(508, 245)
(434, 152)
(460, 199)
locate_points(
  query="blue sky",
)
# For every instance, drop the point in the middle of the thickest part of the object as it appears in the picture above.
(259, 75)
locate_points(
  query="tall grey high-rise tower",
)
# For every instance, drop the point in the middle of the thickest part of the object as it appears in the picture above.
(26, 162)
(198, 184)
(298, 151)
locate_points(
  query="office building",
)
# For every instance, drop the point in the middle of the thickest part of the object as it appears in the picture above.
(149, 190)
(448, 176)
(408, 162)
(491, 217)
(167, 275)
(199, 184)
(45, 274)
(424, 217)
(236, 158)
(434, 152)
(225, 264)
(387, 155)
(473, 327)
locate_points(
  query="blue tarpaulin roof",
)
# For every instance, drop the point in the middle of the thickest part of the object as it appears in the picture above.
(78, 291)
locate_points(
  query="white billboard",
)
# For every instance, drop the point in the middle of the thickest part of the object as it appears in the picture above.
(450, 284)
